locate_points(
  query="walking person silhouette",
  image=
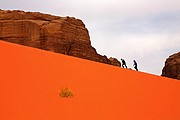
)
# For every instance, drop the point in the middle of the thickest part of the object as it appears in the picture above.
(135, 65)
(123, 63)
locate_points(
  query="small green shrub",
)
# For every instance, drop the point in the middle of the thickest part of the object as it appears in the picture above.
(66, 93)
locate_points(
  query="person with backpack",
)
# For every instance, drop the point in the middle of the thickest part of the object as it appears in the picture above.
(123, 63)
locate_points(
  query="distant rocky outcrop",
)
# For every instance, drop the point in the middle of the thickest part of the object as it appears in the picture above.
(65, 35)
(114, 61)
(172, 66)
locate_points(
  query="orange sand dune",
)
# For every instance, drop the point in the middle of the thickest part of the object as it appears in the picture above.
(31, 79)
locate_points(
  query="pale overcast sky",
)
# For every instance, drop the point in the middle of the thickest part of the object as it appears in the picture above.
(145, 30)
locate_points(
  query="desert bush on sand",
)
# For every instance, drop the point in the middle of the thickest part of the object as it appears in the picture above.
(66, 93)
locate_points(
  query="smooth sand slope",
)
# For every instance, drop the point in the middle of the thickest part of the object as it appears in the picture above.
(31, 79)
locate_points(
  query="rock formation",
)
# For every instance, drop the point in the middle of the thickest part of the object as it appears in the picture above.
(65, 35)
(172, 67)
(114, 61)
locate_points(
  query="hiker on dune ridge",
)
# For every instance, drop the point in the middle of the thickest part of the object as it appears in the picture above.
(123, 63)
(135, 65)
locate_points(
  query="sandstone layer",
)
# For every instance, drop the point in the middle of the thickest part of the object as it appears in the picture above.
(172, 66)
(65, 35)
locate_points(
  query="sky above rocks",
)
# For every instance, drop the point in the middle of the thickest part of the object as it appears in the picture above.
(145, 30)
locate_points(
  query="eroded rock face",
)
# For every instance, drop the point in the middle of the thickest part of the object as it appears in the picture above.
(65, 35)
(172, 67)
(114, 61)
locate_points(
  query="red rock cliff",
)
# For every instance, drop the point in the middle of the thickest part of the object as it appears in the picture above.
(172, 67)
(65, 35)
